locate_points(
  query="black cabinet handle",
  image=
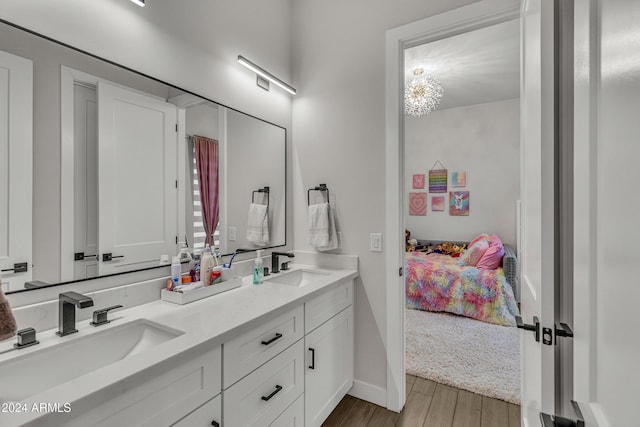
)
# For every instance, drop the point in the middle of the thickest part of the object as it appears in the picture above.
(214, 423)
(20, 267)
(273, 393)
(313, 358)
(277, 337)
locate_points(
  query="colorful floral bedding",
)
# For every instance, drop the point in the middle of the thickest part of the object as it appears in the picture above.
(436, 282)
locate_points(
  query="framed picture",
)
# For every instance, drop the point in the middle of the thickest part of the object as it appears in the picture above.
(418, 181)
(438, 181)
(418, 204)
(459, 179)
(459, 203)
(437, 203)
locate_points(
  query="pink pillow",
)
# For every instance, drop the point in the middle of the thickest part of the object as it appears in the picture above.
(479, 238)
(474, 253)
(492, 258)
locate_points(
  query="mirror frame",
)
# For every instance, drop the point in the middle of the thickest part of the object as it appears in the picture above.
(159, 268)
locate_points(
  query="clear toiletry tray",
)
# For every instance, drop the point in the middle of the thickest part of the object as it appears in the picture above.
(197, 294)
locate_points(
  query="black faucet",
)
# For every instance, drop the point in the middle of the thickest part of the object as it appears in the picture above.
(275, 266)
(67, 303)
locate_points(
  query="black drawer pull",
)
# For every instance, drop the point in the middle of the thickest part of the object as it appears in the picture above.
(277, 337)
(313, 358)
(273, 393)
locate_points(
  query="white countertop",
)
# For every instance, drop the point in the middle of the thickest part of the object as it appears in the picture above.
(210, 320)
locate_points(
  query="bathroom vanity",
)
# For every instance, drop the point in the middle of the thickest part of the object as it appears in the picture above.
(275, 354)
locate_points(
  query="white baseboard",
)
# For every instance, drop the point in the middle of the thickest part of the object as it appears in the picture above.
(369, 392)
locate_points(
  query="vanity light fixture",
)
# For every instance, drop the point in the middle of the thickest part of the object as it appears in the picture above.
(261, 72)
(139, 2)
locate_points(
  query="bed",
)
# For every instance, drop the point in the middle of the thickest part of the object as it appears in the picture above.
(436, 282)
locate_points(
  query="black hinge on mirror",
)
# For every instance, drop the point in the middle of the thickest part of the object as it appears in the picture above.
(556, 421)
(535, 327)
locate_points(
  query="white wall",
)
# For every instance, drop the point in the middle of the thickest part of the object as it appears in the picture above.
(339, 139)
(484, 141)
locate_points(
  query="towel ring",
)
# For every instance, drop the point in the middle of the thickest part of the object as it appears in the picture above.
(321, 187)
(261, 190)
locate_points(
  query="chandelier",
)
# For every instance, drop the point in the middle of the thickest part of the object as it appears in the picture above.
(421, 94)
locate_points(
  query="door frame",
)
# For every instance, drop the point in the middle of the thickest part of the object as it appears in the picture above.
(468, 18)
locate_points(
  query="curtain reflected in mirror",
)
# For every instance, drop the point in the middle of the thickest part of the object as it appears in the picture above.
(207, 159)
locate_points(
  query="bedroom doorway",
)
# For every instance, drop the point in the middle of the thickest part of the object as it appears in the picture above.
(462, 182)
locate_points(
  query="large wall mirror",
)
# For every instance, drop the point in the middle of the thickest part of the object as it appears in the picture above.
(104, 170)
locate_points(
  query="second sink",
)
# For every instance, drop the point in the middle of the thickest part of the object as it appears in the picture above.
(299, 277)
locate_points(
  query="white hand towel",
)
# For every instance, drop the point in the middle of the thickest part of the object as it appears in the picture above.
(319, 224)
(258, 224)
(333, 235)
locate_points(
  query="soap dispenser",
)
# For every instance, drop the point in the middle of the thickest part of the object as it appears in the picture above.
(258, 269)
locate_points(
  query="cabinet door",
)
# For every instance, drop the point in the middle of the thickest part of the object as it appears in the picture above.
(16, 141)
(209, 414)
(328, 367)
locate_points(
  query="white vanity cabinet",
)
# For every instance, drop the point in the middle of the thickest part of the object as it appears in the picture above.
(294, 368)
(329, 352)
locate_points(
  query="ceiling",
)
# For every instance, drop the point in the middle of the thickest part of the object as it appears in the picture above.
(475, 67)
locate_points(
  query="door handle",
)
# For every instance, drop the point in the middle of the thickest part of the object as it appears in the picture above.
(20, 267)
(109, 256)
(80, 256)
(535, 327)
(563, 331)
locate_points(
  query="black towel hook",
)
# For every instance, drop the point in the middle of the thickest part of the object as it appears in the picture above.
(264, 190)
(321, 187)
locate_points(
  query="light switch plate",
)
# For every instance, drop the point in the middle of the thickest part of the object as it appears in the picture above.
(375, 241)
(232, 234)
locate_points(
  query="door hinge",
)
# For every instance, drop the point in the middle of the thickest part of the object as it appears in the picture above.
(176, 127)
(176, 240)
(400, 271)
(176, 183)
(557, 421)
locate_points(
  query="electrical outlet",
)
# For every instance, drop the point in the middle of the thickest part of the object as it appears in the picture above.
(232, 234)
(375, 242)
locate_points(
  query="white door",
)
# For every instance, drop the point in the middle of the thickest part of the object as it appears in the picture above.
(607, 151)
(85, 186)
(137, 210)
(16, 148)
(537, 210)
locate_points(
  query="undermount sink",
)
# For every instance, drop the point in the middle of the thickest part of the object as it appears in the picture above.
(41, 370)
(299, 277)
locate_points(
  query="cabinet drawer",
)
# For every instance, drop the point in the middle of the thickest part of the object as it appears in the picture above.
(251, 349)
(205, 416)
(293, 416)
(325, 306)
(260, 397)
(160, 395)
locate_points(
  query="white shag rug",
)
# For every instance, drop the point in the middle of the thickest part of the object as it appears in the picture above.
(464, 353)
